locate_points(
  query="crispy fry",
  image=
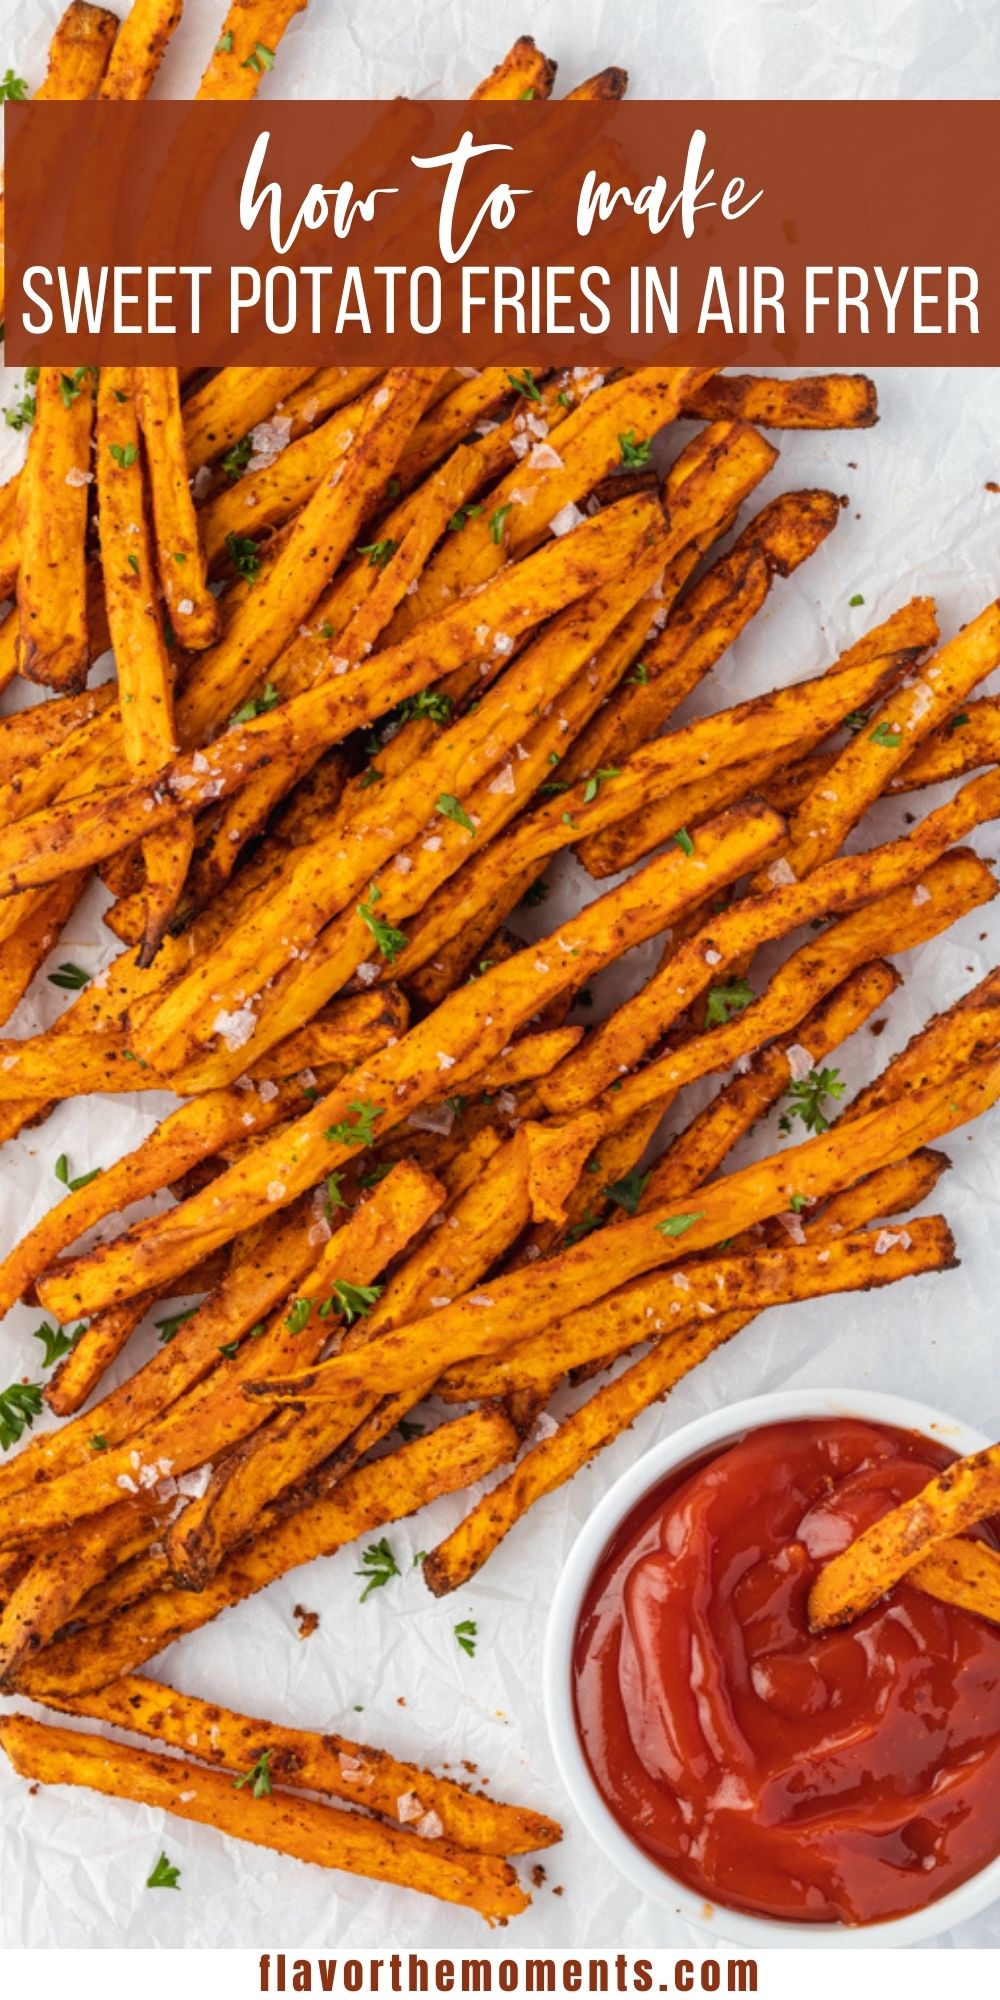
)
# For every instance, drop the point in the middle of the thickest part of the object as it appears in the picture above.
(51, 526)
(61, 1574)
(447, 1459)
(523, 1301)
(231, 404)
(523, 72)
(607, 86)
(812, 403)
(550, 1463)
(193, 612)
(78, 52)
(964, 1572)
(95, 1349)
(897, 643)
(965, 1493)
(847, 883)
(214, 1413)
(246, 48)
(139, 48)
(279, 1820)
(24, 950)
(471, 1027)
(308, 1760)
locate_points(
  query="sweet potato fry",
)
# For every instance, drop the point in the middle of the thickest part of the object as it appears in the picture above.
(509, 604)
(964, 1572)
(192, 609)
(139, 48)
(97, 1346)
(523, 72)
(245, 51)
(667, 1306)
(607, 86)
(846, 883)
(52, 526)
(214, 1414)
(61, 1574)
(898, 643)
(598, 802)
(611, 1410)
(877, 750)
(24, 950)
(469, 1028)
(324, 1835)
(707, 620)
(230, 405)
(145, 675)
(811, 403)
(444, 1461)
(966, 1492)
(530, 497)
(524, 1301)
(968, 739)
(78, 52)
(314, 1761)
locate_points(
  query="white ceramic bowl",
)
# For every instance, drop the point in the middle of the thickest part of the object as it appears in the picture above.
(721, 1428)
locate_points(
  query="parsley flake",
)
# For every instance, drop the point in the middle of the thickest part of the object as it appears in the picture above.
(379, 1565)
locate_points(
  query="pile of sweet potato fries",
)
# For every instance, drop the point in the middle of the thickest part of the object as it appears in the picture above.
(385, 643)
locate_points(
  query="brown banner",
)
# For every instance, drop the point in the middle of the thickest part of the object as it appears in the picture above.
(768, 233)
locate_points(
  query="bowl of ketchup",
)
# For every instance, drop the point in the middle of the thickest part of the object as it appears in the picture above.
(767, 1782)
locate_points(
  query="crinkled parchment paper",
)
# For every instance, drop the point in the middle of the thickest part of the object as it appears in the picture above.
(919, 518)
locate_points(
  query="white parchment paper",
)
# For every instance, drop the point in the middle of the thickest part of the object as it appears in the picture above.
(919, 518)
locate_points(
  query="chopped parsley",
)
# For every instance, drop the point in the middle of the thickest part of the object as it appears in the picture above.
(244, 555)
(78, 1181)
(12, 88)
(797, 1202)
(235, 461)
(299, 1315)
(55, 1343)
(725, 1001)
(452, 808)
(355, 1301)
(70, 977)
(857, 720)
(807, 1099)
(639, 677)
(636, 452)
(70, 387)
(886, 736)
(497, 520)
(19, 1406)
(224, 45)
(525, 385)
(388, 938)
(677, 1225)
(593, 785)
(378, 553)
(628, 1192)
(169, 1328)
(683, 840)
(258, 1777)
(124, 455)
(258, 704)
(959, 721)
(855, 600)
(465, 1633)
(362, 1132)
(260, 59)
(462, 516)
(164, 1875)
(379, 1565)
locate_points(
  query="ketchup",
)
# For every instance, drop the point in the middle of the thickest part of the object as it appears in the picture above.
(845, 1776)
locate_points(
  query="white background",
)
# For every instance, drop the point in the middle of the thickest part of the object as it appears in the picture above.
(919, 519)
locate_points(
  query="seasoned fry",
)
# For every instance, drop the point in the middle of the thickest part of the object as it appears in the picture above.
(608, 85)
(965, 1493)
(78, 52)
(215, 1414)
(139, 48)
(96, 1347)
(451, 1457)
(307, 1760)
(964, 1572)
(63, 1571)
(231, 404)
(277, 1820)
(812, 403)
(469, 1029)
(145, 676)
(246, 48)
(523, 1301)
(719, 1285)
(51, 527)
(193, 612)
(523, 72)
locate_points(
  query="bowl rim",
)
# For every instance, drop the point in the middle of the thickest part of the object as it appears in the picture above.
(720, 1427)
